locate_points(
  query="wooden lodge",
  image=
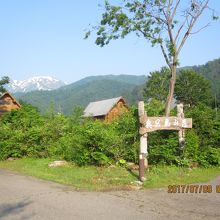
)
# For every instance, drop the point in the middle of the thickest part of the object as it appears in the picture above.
(107, 109)
(8, 103)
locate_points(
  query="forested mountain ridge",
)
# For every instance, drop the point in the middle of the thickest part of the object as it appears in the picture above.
(211, 70)
(84, 91)
(95, 88)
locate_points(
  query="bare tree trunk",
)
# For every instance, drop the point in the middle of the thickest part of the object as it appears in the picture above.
(171, 90)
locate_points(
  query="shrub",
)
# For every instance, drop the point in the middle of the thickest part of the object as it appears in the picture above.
(25, 132)
(163, 147)
(209, 157)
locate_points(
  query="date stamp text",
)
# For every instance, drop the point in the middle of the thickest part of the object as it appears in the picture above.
(191, 188)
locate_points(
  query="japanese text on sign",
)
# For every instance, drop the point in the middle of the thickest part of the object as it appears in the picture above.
(165, 123)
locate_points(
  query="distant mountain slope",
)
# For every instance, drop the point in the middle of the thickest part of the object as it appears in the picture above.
(95, 88)
(130, 79)
(211, 70)
(34, 83)
(84, 91)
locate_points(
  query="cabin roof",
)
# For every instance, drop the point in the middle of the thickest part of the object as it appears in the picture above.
(12, 97)
(102, 107)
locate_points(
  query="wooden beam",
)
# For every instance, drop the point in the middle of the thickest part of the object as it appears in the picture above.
(143, 143)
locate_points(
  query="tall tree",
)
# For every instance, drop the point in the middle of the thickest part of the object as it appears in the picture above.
(192, 88)
(3, 81)
(167, 23)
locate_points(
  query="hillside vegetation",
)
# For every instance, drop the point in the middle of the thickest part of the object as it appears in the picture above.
(211, 71)
(95, 88)
(27, 133)
(84, 91)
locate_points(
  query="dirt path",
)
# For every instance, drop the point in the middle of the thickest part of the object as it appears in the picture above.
(24, 197)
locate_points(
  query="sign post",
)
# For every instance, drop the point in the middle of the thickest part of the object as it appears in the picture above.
(150, 124)
(143, 144)
(180, 114)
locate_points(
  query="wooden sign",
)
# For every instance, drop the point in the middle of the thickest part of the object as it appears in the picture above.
(150, 124)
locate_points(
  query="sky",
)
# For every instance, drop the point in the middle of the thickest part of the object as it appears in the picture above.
(45, 38)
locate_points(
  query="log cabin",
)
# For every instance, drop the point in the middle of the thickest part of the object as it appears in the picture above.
(8, 103)
(107, 109)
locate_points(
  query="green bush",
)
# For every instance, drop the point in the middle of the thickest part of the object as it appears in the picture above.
(191, 149)
(209, 157)
(21, 132)
(163, 147)
(99, 143)
(26, 133)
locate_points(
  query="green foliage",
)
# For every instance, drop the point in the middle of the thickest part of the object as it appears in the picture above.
(157, 85)
(209, 157)
(211, 71)
(193, 88)
(134, 16)
(202, 142)
(100, 158)
(191, 149)
(5, 80)
(22, 133)
(122, 163)
(163, 147)
(26, 133)
(154, 108)
(99, 143)
(206, 123)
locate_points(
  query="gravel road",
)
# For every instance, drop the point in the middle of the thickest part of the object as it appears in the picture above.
(23, 197)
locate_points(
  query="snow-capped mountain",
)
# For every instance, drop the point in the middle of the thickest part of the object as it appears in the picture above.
(35, 83)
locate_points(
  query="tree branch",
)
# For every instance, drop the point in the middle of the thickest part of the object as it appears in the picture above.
(201, 29)
(165, 55)
(191, 24)
(181, 27)
(174, 10)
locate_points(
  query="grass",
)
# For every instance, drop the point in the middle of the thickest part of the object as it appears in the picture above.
(109, 178)
(90, 177)
(172, 175)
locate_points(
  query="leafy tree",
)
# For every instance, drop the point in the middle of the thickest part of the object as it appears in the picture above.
(157, 85)
(206, 124)
(3, 81)
(192, 88)
(211, 70)
(162, 22)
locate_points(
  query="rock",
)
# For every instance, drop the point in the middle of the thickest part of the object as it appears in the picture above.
(58, 163)
(10, 159)
(132, 166)
(138, 182)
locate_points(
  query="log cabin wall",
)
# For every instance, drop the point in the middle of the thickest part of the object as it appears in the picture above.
(8, 103)
(116, 111)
